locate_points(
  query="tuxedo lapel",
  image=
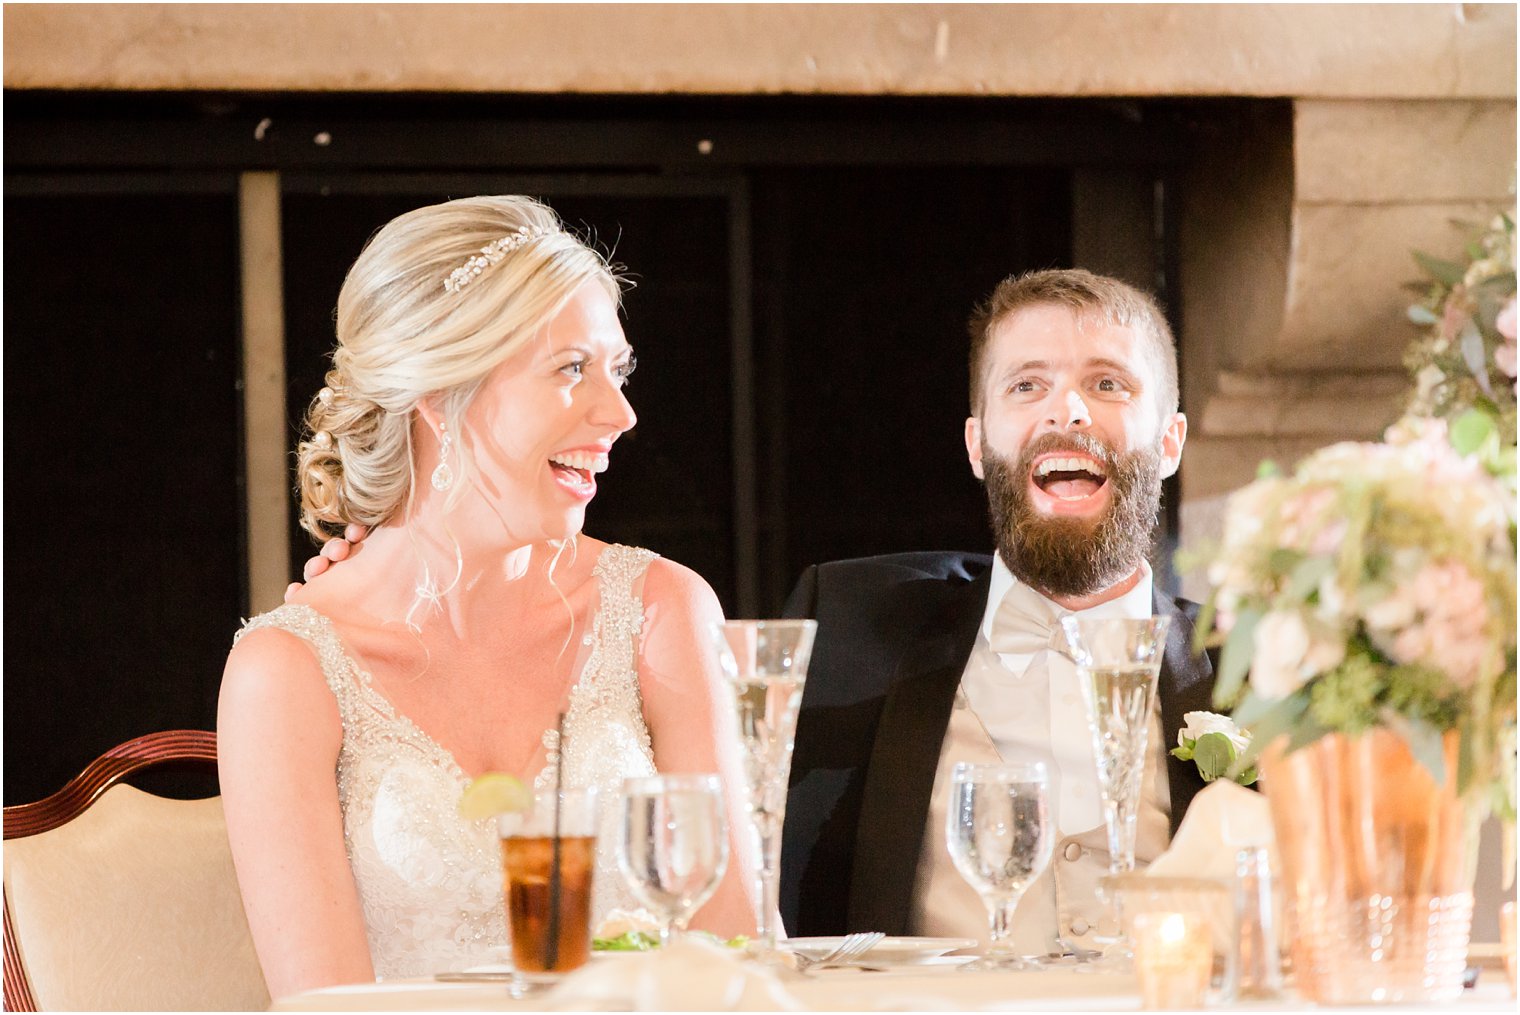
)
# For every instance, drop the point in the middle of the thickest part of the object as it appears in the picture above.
(1186, 685)
(905, 754)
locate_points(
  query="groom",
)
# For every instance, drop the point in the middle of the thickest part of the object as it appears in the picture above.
(926, 659)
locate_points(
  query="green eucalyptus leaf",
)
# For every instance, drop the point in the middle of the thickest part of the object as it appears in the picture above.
(1204, 627)
(1235, 657)
(1251, 708)
(1282, 560)
(1466, 763)
(1469, 431)
(1421, 315)
(1504, 460)
(1214, 754)
(1267, 469)
(1447, 272)
(1184, 752)
(1424, 742)
(1475, 355)
(1305, 733)
(1307, 575)
(1280, 718)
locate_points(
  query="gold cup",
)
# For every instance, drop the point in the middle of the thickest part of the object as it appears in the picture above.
(1174, 954)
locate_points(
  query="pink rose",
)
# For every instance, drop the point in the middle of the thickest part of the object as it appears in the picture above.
(1506, 322)
(1504, 356)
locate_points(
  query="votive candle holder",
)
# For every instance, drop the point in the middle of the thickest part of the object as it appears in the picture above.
(1507, 942)
(1174, 954)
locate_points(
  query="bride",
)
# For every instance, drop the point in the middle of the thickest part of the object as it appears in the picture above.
(475, 395)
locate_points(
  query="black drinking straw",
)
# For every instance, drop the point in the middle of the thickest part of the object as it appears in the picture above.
(551, 946)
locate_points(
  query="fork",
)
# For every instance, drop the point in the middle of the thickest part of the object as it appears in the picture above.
(852, 946)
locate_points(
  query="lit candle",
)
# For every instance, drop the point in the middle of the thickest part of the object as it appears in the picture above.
(1174, 955)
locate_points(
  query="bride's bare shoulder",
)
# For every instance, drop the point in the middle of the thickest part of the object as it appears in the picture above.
(670, 587)
(270, 662)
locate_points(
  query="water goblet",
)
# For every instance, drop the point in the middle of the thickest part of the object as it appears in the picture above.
(674, 845)
(765, 663)
(1118, 660)
(997, 828)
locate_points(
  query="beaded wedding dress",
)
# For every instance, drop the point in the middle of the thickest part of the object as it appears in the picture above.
(431, 882)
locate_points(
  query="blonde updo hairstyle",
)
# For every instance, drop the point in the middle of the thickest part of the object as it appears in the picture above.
(403, 338)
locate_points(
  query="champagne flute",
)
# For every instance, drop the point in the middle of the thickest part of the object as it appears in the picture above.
(1118, 660)
(674, 846)
(997, 828)
(766, 662)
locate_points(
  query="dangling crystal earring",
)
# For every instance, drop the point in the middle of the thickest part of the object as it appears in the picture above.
(443, 476)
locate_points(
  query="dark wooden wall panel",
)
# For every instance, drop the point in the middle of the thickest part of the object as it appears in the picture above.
(123, 506)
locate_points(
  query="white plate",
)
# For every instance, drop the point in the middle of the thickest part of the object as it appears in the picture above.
(888, 949)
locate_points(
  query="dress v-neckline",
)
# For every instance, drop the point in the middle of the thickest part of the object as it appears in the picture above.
(387, 709)
(380, 703)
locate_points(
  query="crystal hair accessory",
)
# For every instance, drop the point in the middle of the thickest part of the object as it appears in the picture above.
(494, 253)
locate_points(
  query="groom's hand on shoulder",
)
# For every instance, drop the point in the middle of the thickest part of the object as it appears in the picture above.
(335, 549)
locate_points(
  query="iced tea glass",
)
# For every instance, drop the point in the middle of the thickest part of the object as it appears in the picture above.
(548, 884)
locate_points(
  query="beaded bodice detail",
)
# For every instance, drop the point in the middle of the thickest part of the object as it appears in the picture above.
(429, 881)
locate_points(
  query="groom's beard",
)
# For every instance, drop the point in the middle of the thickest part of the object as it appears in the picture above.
(1074, 556)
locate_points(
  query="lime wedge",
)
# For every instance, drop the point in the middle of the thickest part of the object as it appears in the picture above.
(491, 794)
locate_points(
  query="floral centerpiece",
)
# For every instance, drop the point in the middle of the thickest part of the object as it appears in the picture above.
(1373, 587)
(1371, 598)
(1366, 608)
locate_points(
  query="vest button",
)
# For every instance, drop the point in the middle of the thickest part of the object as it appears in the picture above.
(1072, 852)
(1079, 927)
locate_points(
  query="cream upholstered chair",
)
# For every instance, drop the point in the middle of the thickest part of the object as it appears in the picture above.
(116, 899)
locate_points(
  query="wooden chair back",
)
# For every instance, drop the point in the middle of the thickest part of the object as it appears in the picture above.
(116, 899)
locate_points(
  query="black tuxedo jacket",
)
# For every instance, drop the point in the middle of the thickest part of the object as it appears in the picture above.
(894, 634)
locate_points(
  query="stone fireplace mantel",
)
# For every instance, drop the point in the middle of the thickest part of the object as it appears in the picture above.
(1295, 235)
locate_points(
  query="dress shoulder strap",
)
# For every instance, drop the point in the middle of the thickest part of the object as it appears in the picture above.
(342, 676)
(617, 570)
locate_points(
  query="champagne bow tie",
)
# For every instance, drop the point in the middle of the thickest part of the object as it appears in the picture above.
(1024, 625)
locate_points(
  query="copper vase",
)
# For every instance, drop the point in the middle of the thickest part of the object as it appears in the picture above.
(1375, 869)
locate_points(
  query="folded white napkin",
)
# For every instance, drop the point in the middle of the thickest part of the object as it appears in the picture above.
(690, 975)
(1223, 819)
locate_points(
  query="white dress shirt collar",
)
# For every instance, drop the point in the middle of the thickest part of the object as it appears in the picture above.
(1135, 603)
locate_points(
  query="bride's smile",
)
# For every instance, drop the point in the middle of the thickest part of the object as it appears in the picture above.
(543, 424)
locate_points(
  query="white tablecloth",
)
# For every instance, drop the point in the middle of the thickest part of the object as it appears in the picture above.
(937, 989)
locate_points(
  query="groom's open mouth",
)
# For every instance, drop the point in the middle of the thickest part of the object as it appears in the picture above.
(1068, 483)
(576, 470)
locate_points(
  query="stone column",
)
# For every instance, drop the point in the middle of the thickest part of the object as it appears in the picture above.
(1297, 236)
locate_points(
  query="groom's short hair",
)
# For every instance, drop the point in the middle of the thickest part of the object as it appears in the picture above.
(1086, 295)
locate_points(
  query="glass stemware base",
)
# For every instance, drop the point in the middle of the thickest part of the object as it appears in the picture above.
(997, 960)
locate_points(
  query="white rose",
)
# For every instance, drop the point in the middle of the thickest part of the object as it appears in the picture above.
(1281, 642)
(1428, 379)
(1203, 723)
(1332, 602)
(1325, 653)
(1393, 613)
